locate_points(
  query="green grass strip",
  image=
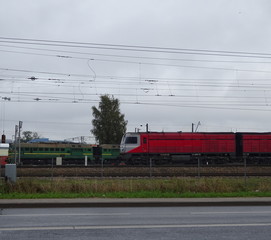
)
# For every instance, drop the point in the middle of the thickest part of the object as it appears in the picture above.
(136, 188)
(132, 195)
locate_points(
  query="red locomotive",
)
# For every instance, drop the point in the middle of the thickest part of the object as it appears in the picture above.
(4, 147)
(210, 148)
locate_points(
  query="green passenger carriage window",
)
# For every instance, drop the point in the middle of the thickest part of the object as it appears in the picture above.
(62, 149)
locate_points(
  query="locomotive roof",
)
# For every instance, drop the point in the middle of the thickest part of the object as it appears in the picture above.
(55, 144)
(47, 140)
(180, 132)
(132, 133)
(4, 145)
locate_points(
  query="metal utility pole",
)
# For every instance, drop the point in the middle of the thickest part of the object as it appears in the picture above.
(15, 144)
(20, 127)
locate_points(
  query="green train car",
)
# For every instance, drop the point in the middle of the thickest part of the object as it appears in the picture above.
(49, 153)
(110, 153)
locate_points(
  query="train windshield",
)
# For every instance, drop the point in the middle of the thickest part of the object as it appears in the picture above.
(131, 140)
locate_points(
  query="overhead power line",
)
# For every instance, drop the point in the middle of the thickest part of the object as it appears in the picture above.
(117, 55)
(57, 87)
(243, 107)
(122, 47)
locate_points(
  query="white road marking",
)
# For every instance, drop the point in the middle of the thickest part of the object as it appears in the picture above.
(65, 214)
(210, 213)
(134, 227)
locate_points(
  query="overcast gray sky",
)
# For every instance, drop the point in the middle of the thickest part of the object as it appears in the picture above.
(170, 63)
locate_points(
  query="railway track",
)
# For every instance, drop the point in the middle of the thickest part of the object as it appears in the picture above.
(139, 171)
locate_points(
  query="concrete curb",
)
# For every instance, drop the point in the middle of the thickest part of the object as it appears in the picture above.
(133, 202)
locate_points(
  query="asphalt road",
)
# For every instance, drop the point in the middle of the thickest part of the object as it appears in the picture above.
(137, 223)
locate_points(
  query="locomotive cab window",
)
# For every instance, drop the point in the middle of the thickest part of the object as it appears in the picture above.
(131, 140)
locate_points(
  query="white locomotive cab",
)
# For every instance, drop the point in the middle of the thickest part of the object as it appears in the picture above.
(4, 149)
(129, 141)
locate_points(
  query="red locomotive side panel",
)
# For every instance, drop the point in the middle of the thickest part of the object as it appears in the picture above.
(257, 142)
(3, 160)
(185, 143)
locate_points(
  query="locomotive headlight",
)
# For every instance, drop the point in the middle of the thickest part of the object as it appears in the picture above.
(122, 148)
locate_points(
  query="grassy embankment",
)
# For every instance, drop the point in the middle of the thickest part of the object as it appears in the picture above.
(137, 188)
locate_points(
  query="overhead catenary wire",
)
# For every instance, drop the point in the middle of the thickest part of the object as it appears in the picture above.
(152, 63)
(204, 106)
(123, 47)
(123, 83)
(145, 93)
(114, 55)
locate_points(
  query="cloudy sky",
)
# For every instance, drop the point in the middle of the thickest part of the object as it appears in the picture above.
(170, 63)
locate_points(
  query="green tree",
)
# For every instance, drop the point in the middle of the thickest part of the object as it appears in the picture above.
(109, 124)
(28, 135)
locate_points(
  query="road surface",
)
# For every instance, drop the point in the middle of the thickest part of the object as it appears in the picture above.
(184, 223)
